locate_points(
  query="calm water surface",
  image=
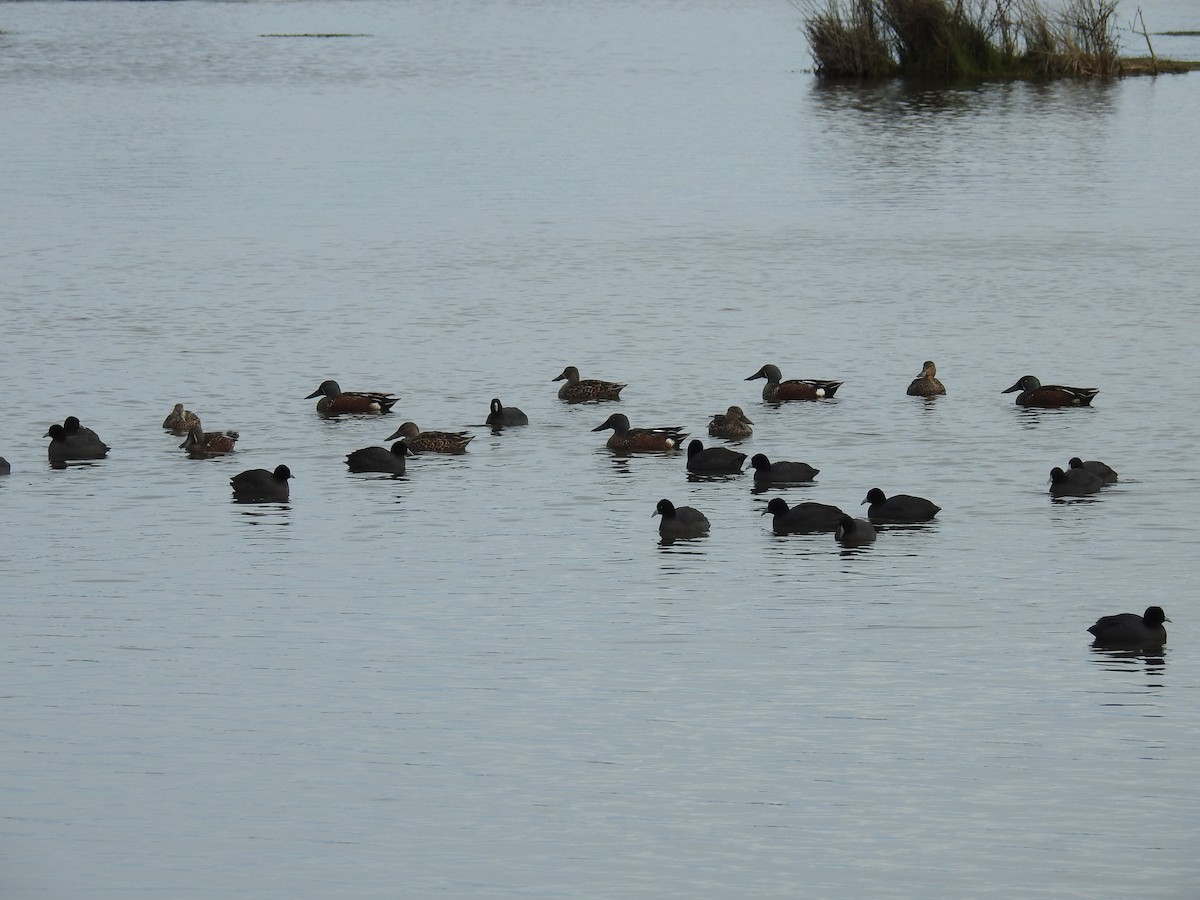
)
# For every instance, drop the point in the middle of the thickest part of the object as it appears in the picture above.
(487, 677)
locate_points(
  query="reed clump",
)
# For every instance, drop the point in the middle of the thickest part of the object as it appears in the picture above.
(956, 39)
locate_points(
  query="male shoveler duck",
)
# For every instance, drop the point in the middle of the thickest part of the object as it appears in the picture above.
(645, 440)
(775, 390)
(577, 390)
(180, 420)
(900, 509)
(79, 444)
(261, 484)
(925, 384)
(781, 472)
(731, 424)
(502, 416)
(1073, 482)
(803, 518)
(1130, 631)
(680, 521)
(431, 441)
(1105, 473)
(852, 532)
(714, 460)
(380, 459)
(205, 443)
(1034, 393)
(335, 402)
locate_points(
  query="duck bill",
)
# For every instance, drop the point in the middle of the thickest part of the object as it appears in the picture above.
(1015, 387)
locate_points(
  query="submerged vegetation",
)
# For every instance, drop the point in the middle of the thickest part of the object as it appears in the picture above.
(951, 39)
(322, 34)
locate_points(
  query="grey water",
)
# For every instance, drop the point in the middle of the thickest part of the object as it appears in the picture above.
(488, 677)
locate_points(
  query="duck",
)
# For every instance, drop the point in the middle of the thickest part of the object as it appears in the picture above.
(900, 508)
(781, 472)
(5, 468)
(261, 484)
(714, 460)
(77, 445)
(203, 443)
(577, 390)
(680, 521)
(1034, 393)
(180, 420)
(644, 440)
(431, 441)
(502, 416)
(732, 423)
(802, 518)
(1073, 482)
(1131, 631)
(335, 402)
(380, 459)
(776, 390)
(852, 532)
(1105, 473)
(925, 384)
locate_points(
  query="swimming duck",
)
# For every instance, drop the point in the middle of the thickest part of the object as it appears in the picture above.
(202, 443)
(645, 440)
(1034, 393)
(925, 384)
(1097, 468)
(852, 532)
(1073, 482)
(1131, 631)
(379, 459)
(578, 390)
(714, 460)
(180, 420)
(81, 444)
(335, 402)
(432, 441)
(802, 518)
(781, 472)
(5, 468)
(730, 424)
(680, 521)
(901, 508)
(261, 484)
(794, 388)
(501, 415)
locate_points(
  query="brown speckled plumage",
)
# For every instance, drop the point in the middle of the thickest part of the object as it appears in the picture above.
(432, 441)
(577, 390)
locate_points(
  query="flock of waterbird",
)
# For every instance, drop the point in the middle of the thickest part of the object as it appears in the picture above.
(72, 441)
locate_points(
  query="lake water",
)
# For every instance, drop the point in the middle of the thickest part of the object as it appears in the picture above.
(488, 678)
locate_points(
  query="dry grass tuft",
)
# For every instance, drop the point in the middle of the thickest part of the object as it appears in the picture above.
(954, 39)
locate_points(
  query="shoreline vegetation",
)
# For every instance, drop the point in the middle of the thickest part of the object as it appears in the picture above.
(963, 39)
